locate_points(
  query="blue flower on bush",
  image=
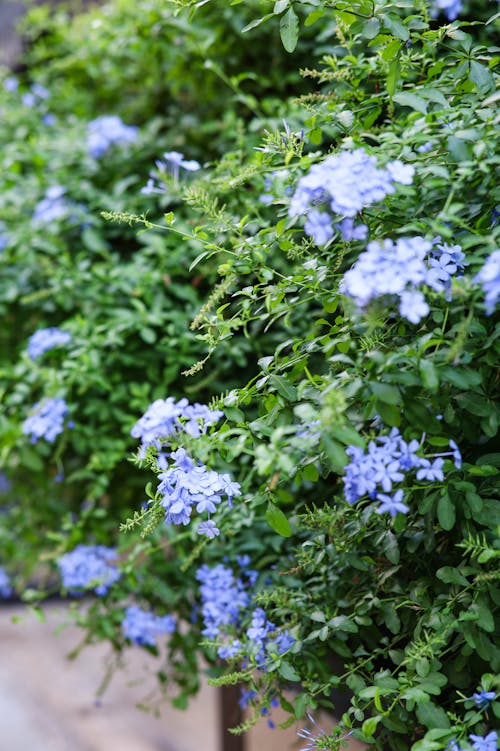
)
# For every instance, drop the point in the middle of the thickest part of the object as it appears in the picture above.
(451, 8)
(488, 743)
(398, 269)
(482, 698)
(392, 504)
(343, 184)
(173, 162)
(489, 279)
(107, 130)
(165, 417)
(224, 599)
(46, 420)
(52, 206)
(89, 567)
(387, 461)
(225, 602)
(11, 83)
(5, 586)
(185, 485)
(44, 340)
(143, 627)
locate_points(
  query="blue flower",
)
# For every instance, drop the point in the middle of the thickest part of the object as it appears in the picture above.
(44, 340)
(166, 417)
(11, 83)
(451, 8)
(488, 743)
(5, 586)
(431, 472)
(46, 420)
(209, 529)
(143, 627)
(176, 159)
(224, 598)
(350, 232)
(89, 567)
(392, 504)
(185, 484)
(52, 206)
(457, 456)
(318, 225)
(399, 269)
(413, 306)
(483, 698)
(106, 131)
(387, 461)
(489, 278)
(343, 184)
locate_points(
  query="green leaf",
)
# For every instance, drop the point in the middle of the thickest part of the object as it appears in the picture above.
(347, 435)
(277, 520)
(393, 76)
(390, 414)
(446, 512)
(369, 726)
(432, 716)
(481, 78)
(343, 623)
(462, 378)
(288, 672)
(408, 99)
(391, 50)
(335, 453)
(392, 22)
(283, 387)
(450, 575)
(429, 374)
(289, 30)
(280, 6)
(256, 22)
(314, 16)
(385, 392)
(370, 28)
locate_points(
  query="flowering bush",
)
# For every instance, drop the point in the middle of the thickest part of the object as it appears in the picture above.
(298, 321)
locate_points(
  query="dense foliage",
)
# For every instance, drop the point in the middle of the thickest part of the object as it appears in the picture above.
(280, 291)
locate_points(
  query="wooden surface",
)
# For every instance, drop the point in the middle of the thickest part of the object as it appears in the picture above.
(47, 702)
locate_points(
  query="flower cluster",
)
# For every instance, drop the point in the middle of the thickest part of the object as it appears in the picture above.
(105, 131)
(264, 640)
(143, 627)
(224, 598)
(89, 567)
(44, 340)
(5, 587)
(165, 417)
(52, 206)
(387, 462)
(185, 484)
(35, 95)
(225, 602)
(399, 269)
(343, 184)
(451, 8)
(174, 162)
(46, 420)
(489, 278)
